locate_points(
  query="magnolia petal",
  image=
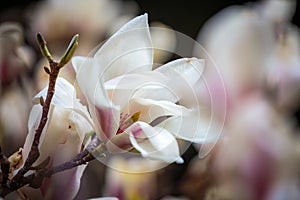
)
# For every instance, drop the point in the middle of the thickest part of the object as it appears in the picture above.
(193, 127)
(72, 127)
(104, 113)
(64, 127)
(107, 121)
(65, 97)
(119, 143)
(64, 185)
(128, 50)
(116, 57)
(151, 109)
(172, 82)
(88, 81)
(65, 133)
(152, 85)
(33, 122)
(190, 69)
(64, 94)
(184, 73)
(154, 142)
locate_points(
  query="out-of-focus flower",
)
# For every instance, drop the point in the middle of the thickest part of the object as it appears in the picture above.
(260, 51)
(238, 41)
(16, 60)
(131, 178)
(14, 109)
(15, 57)
(283, 70)
(61, 139)
(278, 12)
(58, 20)
(258, 155)
(133, 106)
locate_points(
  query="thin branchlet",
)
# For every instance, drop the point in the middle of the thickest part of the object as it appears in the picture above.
(35, 179)
(82, 158)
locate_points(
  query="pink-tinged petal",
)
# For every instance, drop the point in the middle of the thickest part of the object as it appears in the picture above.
(151, 109)
(108, 118)
(104, 113)
(116, 57)
(119, 143)
(65, 134)
(154, 142)
(64, 186)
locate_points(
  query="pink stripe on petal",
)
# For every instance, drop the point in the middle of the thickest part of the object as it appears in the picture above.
(137, 131)
(105, 120)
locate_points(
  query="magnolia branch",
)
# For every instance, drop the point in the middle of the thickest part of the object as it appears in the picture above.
(53, 74)
(35, 179)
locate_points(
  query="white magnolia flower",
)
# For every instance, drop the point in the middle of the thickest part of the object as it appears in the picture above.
(61, 139)
(131, 105)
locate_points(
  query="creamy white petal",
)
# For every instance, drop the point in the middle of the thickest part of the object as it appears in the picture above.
(65, 134)
(154, 142)
(183, 74)
(190, 69)
(33, 122)
(149, 111)
(64, 94)
(128, 50)
(151, 85)
(65, 97)
(75, 117)
(193, 127)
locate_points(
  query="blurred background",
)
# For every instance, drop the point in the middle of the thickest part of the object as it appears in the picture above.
(255, 47)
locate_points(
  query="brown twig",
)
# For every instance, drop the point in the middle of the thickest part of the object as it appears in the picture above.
(34, 151)
(19, 180)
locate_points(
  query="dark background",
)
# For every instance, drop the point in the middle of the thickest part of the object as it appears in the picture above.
(184, 16)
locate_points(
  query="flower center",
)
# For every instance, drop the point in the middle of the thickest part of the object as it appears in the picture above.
(126, 120)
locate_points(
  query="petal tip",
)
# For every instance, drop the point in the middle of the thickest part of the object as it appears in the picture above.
(179, 160)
